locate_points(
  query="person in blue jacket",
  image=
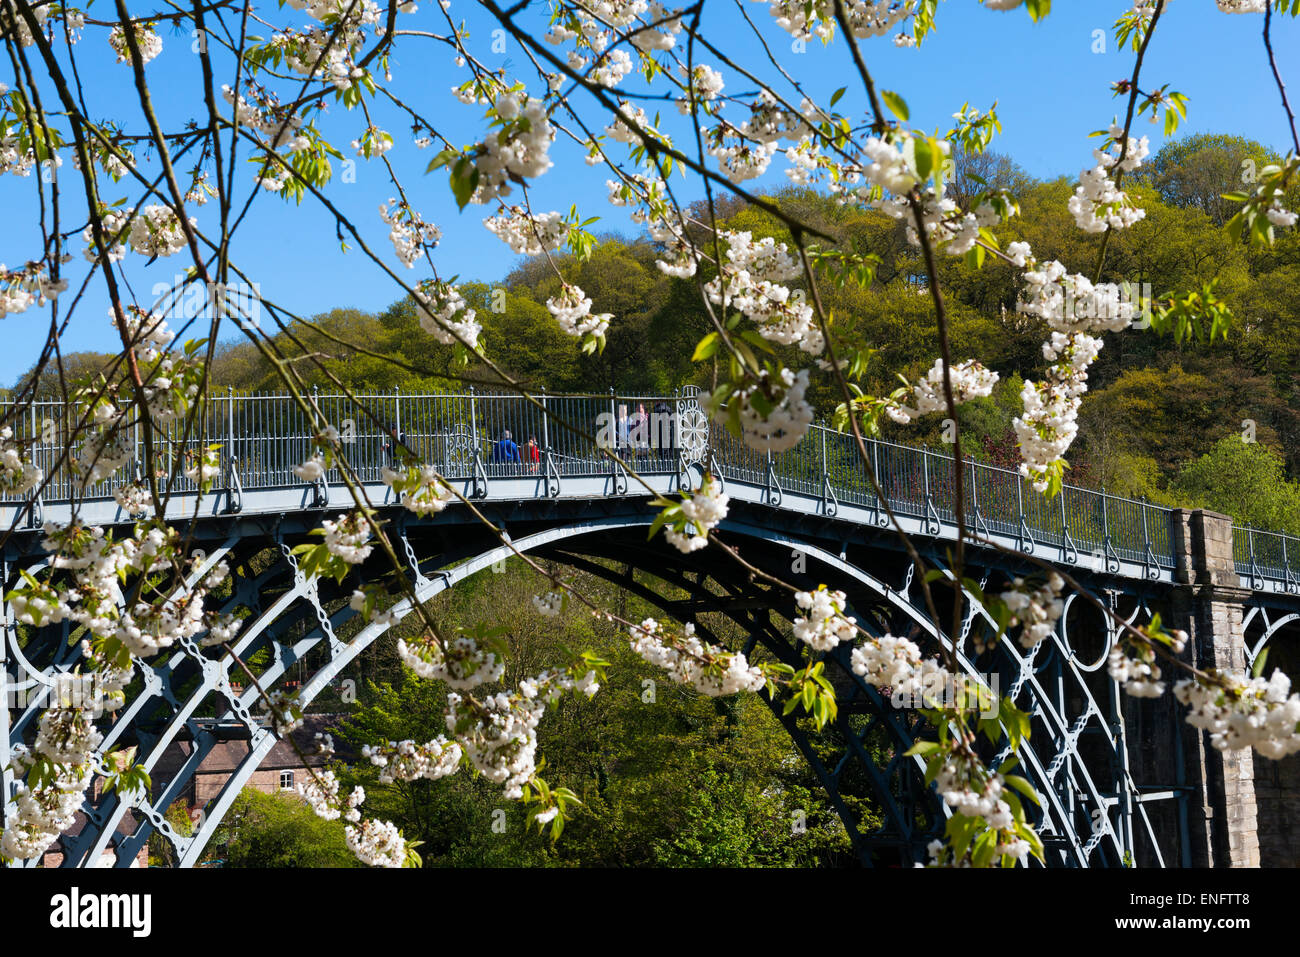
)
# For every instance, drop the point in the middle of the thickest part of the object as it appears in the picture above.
(504, 450)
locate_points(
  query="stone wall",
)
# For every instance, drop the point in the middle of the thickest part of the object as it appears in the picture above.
(1209, 606)
(1277, 800)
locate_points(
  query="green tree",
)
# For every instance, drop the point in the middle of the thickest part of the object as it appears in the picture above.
(278, 830)
(1196, 171)
(642, 755)
(1246, 480)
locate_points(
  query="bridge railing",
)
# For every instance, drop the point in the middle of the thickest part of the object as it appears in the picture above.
(262, 437)
(1261, 554)
(920, 483)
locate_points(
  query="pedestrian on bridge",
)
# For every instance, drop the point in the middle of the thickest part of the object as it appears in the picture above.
(393, 440)
(505, 450)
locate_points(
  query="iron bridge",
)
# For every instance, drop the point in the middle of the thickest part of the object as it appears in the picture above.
(1106, 801)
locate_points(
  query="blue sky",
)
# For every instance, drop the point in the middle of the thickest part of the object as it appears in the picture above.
(1052, 90)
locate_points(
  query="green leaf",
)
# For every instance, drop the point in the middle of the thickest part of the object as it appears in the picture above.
(464, 180)
(706, 347)
(1038, 9)
(1258, 668)
(897, 105)
(1024, 787)
(442, 159)
(924, 158)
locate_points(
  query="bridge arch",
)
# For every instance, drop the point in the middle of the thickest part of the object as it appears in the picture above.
(1071, 786)
(816, 499)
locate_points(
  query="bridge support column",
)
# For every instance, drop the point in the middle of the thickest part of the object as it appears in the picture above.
(1209, 606)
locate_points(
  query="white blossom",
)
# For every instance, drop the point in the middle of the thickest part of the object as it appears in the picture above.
(146, 40)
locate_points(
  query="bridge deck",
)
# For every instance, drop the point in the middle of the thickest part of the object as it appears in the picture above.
(262, 438)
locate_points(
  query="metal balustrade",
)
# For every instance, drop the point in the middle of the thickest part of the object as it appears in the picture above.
(262, 437)
(1261, 555)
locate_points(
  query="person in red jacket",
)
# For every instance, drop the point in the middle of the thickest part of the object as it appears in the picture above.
(532, 454)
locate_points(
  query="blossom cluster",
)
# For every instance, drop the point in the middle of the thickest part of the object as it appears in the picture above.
(1242, 6)
(67, 742)
(280, 128)
(1098, 204)
(134, 498)
(1137, 671)
(203, 467)
(17, 25)
(373, 142)
(772, 410)
(113, 224)
(361, 599)
(1254, 713)
(348, 538)
(1073, 307)
(691, 661)
(1035, 610)
(445, 314)
(411, 236)
(146, 40)
(321, 792)
(499, 733)
(262, 113)
(518, 151)
(703, 82)
(528, 234)
(16, 155)
(826, 625)
(408, 761)
(697, 515)
(311, 469)
(39, 813)
(156, 231)
(805, 20)
(970, 380)
(377, 843)
(572, 311)
(328, 52)
(962, 780)
(646, 24)
(751, 281)
(502, 744)
(462, 664)
(16, 475)
(756, 140)
(20, 289)
(1139, 674)
(548, 605)
(421, 489)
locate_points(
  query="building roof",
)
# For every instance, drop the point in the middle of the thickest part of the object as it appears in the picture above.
(226, 756)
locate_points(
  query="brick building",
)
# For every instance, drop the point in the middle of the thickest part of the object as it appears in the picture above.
(281, 770)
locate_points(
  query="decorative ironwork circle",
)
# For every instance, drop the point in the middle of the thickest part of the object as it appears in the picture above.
(692, 426)
(459, 455)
